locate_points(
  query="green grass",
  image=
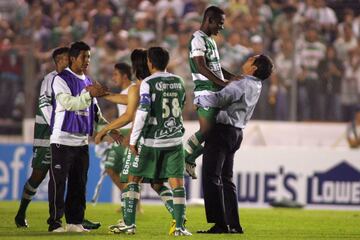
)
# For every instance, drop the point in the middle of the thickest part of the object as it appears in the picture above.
(154, 223)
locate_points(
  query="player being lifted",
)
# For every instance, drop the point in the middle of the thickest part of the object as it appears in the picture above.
(41, 147)
(141, 71)
(208, 76)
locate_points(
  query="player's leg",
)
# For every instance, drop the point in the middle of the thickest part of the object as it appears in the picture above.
(166, 196)
(40, 165)
(173, 169)
(193, 146)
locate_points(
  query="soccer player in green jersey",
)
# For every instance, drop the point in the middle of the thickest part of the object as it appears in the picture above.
(208, 77)
(41, 145)
(141, 71)
(158, 125)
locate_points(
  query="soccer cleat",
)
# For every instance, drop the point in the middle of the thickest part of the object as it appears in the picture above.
(190, 169)
(172, 227)
(76, 228)
(120, 224)
(182, 232)
(125, 229)
(59, 230)
(21, 222)
(90, 225)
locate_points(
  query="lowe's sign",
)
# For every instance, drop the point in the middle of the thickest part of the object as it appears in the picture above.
(314, 177)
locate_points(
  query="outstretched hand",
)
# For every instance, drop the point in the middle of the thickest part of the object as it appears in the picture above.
(97, 90)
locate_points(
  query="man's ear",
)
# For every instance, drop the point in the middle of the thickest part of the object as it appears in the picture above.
(253, 68)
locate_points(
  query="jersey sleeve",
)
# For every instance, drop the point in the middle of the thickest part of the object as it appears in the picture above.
(145, 98)
(197, 47)
(229, 94)
(65, 101)
(45, 105)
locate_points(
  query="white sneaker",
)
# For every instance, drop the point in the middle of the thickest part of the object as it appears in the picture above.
(59, 230)
(75, 228)
(190, 169)
(120, 224)
(182, 232)
(126, 229)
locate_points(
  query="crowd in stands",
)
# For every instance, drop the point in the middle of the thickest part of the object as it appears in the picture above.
(316, 48)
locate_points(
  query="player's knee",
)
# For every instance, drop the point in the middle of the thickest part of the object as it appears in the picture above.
(37, 176)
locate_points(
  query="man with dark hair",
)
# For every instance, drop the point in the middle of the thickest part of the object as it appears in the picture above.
(208, 77)
(41, 146)
(236, 103)
(159, 151)
(72, 121)
(114, 159)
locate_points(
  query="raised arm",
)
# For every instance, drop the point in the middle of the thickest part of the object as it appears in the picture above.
(229, 94)
(66, 100)
(117, 98)
(125, 118)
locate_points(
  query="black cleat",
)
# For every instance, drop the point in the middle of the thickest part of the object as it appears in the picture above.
(90, 225)
(21, 222)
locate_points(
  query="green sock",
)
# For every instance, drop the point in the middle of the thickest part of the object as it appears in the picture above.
(122, 199)
(131, 200)
(179, 206)
(193, 147)
(166, 196)
(27, 195)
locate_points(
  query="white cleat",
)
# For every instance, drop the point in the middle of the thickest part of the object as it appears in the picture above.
(182, 232)
(59, 230)
(125, 229)
(75, 228)
(120, 224)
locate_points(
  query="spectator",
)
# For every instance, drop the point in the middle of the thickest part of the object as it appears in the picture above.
(330, 72)
(353, 131)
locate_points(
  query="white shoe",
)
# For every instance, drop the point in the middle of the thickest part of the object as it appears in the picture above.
(126, 229)
(75, 228)
(182, 232)
(120, 224)
(59, 230)
(190, 169)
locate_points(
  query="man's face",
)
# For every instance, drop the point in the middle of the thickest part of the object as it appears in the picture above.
(63, 61)
(82, 61)
(117, 77)
(248, 67)
(217, 24)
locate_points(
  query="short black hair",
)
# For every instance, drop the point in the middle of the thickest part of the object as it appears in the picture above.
(159, 57)
(213, 12)
(77, 47)
(59, 51)
(264, 66)
(123, 68)
(139, 63)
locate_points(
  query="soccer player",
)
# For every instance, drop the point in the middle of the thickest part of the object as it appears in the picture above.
(160, 153)
(73, 116)
(140, 68)
(208, 77)
(41, 146)
(113, 163)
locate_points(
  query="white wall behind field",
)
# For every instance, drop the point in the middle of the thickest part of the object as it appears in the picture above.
(257, 133)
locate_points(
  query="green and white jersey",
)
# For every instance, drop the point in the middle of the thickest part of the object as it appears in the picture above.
(159, 116)
(203, 45)
(43, 113)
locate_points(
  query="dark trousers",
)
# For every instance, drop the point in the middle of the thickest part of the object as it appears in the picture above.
(220, 197)
(68, 165)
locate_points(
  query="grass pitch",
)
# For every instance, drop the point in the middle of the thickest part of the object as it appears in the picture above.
(154, 223)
